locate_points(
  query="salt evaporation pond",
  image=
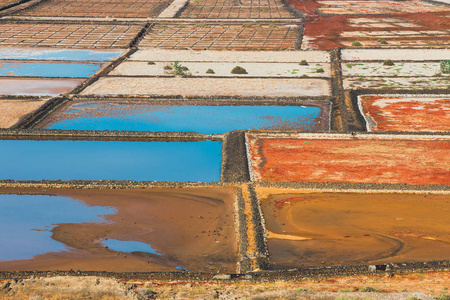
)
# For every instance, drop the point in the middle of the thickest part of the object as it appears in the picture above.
(101, 160)
(128, 246)
(27, 221)
(198, 118)
(47, 69)
(58, 54)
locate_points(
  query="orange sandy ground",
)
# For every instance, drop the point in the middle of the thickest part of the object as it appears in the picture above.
(354, 228)
(357, 160)
(326, 31)
(397, 114)
(12, 111)
(190, 227)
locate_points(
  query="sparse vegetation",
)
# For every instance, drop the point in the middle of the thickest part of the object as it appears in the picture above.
(369, 289)
(302, 289)
(356, 44)
(443, 297)
(178, 69)
(239, 70)
(382, 41)
(167, 67)
(303, 63)
(388, 62)
(210, 71)
(445, 66)
(320, 70)
(151, 63)
(413, 298)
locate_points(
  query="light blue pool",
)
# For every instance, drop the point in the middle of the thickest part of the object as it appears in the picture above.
(58, 54)
(26, 221)
(198, 118)
(128, 246)
(98, 160)
(44, 69)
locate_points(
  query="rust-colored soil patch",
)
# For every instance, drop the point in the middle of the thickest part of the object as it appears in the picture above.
(12, 111)
(354, 160)
(405, 113)
(190, 227)
(221, 37)
(328, 32)
(355, 228)
(67, 35)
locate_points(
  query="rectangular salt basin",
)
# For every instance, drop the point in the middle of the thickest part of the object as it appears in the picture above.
(100, 160)
(37, 87)
(56, 54)
(140, 116)
(48, 69)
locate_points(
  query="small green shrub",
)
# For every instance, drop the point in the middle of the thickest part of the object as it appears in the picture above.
(445, 66)
(369, 289)
(151, 63)
(302, 290)
(388, 62)
(303, 63)
(320, 70)
(346, 290)
(178, 69)
(382, 41)
(443, 297)
(210, 71)
(167, 67)
(356, 44)
(238, 70)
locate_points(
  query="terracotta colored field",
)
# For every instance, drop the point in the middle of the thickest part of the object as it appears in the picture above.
(12, 111)
(405, 114)
(86, 8)
(67, 35)
(347, 159)
(189, 227)
(329, 32)
(354, 228)
(5, 3)
(221, 37)
(228, 9)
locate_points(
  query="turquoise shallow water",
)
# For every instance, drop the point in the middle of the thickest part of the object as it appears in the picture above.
(128, 246)
(60, 70)
(26, 221)
(58, 54)
(98, 160)
(197, 118)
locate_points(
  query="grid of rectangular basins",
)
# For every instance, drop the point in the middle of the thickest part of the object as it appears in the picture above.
(221, 37)
(102, 8)
(67, 35)
(211, 9)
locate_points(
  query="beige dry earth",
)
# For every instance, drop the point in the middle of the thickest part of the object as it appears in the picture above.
(12, 111)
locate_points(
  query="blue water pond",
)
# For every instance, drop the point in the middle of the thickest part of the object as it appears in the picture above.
(197, 118)
(58, 54)
(26, 221)
(128, 246)
(44, 69)
(99, 160)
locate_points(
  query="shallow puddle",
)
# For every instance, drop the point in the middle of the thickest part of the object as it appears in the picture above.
(39, 69)
(98, 160)
(29, 219)
(202, 119)
(128, 246)
(55, 54)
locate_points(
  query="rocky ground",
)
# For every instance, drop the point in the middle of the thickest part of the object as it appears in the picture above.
(399, 286)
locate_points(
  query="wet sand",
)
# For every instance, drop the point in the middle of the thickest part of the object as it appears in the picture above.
(190, 227)
(354, 228)
(12, 111)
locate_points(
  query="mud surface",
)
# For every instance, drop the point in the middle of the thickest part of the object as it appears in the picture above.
(37, 87)
(12, 111)
(374, 160)
(316, 229)
(191, 228)
(204, 87)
